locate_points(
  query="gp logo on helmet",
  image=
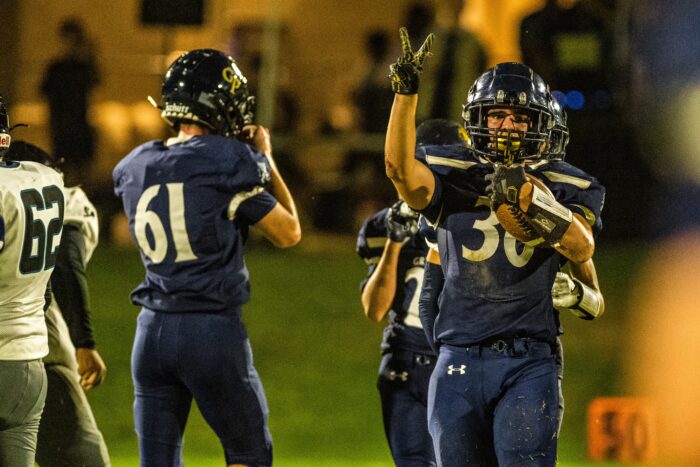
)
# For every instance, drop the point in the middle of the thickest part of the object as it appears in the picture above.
(231, 76)
(207, 87)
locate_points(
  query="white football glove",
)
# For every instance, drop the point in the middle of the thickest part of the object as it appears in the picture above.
(565, 292)
(571, 294)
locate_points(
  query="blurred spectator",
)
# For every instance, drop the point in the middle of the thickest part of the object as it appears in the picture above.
(363, 189)
(67, 84)
(286, 109)
(569, 44)
(419, 19)
(373, 96)
(247, 44)
(458, 59)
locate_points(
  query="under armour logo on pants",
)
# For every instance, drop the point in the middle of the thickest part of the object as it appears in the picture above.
(451, 369)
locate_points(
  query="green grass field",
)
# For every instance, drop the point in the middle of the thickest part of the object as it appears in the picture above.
(318, 356)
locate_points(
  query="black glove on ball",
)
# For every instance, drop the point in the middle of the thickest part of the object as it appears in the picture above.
(401, 222)
(505, 184)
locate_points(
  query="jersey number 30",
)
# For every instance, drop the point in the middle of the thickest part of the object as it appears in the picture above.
(176, 213)
(36, 232)
(491, 239)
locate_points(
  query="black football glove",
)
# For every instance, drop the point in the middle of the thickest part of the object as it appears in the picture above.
(505, 184)
(405, 73)
(401, 222)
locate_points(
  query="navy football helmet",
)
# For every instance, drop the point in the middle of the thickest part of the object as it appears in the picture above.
(440, 132)
(5, 138)
(23, 151)
(205, 86)
(559, 134)
(514, 86)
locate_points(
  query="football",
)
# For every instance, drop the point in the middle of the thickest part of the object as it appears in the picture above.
(514, 221)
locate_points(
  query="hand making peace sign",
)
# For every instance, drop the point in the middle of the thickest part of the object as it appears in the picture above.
(405, 73)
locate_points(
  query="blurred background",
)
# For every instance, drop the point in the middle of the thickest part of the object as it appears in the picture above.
(627, 71)
(79, 72)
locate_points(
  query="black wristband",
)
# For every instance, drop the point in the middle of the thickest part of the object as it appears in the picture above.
(548, 217)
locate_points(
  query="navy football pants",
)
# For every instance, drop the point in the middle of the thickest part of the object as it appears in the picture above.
(488, 407)
(403, 388)
(178, 356)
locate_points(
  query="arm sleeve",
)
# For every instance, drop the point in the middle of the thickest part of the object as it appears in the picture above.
(252, 208)
(246, 173)
(370, 243)
(428, 302)
(70, 288)
(433, 210)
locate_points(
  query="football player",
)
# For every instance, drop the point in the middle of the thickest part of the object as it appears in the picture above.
(32, 204)
(391, 245)
(68, 433)
(493, 394)
(189, 201)
(575, 286)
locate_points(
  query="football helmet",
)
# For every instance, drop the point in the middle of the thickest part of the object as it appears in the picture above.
(206, 86)
(440, 132)
(559, 134)
(5, 138)
(23, 151)
(513, 86)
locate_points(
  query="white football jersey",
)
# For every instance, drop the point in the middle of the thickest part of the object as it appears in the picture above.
(81, 213)
(32, 206)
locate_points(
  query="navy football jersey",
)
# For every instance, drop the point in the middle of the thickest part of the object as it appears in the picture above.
(495, 286)
(404, 330)
(189, 205)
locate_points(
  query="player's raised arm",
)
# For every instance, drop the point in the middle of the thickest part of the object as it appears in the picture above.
(414, 182)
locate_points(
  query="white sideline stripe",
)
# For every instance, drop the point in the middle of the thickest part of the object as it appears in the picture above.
(376, 242)
(435, 160)
(557, 177)
(239, 198)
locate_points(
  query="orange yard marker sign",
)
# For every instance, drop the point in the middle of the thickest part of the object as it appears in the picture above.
(621, 429)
